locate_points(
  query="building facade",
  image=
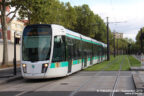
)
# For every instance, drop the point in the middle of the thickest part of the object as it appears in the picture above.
(15, 26)
(118, 35)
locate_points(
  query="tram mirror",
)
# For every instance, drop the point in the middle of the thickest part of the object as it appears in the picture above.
(57, 41)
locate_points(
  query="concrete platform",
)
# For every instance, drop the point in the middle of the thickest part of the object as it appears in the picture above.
(138, 78)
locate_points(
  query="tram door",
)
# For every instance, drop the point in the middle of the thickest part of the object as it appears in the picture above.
(91, 60)
(82, 59)
(85, 59)
(70, 55)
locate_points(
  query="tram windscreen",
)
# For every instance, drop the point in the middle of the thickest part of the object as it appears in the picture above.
(36, 45)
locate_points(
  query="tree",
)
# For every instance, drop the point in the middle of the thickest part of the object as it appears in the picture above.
(85, 21)
(4, 23)
(80, 19)
(70, 16)
(42, 11)
(138, 39)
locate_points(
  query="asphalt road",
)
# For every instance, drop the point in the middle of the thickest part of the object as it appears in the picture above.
(83, 83)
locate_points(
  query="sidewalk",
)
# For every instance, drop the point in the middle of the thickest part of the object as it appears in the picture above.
(141, 68)
(6, 75)
(138, 76)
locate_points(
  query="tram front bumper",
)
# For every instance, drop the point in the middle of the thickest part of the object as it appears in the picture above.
(34, 76)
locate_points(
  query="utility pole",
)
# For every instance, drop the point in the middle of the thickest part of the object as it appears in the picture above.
(141, 39)
(108, 51)
(114, 44)
(117, 46)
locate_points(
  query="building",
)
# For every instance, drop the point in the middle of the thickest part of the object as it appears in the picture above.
(118, 35)
(15, 26)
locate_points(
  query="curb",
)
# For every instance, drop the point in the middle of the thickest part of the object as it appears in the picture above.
(139, 84)
(137, 69)
(15, 78)
(2, 69)
(6, 68)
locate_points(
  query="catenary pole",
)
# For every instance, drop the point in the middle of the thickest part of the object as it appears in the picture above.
(108, 52)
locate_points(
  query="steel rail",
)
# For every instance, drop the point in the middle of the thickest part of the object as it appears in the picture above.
(117, 78)
(34, 89)
(87, 81)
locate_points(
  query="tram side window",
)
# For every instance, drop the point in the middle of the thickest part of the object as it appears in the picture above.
(102, 51)
(59, 49)
(99, 50)
(69, 48)
(73, 48)
(105, 50)
(76, 48)
(95, 50)
(84, 49)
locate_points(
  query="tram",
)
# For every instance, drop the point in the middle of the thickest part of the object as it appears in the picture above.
(50, 50)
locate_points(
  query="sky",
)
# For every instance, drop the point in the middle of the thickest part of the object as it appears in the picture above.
(125, 16)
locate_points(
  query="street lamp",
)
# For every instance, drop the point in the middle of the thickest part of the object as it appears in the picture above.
(117, 46)
(14, 60)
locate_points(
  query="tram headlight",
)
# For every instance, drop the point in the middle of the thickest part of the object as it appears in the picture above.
(44, 67)
(24, 68)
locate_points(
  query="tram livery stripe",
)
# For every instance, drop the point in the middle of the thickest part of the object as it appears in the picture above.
(74, 62)
(61, 64)
(82, 39)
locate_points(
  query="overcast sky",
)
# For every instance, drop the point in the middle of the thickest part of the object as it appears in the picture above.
(129, 13)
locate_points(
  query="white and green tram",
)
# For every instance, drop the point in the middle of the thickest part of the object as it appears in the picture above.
(50, 51)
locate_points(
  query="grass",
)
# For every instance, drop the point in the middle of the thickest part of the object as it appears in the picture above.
(99, 66)
(115, 65)
(134, 62)
(127, 62)
(126, 65)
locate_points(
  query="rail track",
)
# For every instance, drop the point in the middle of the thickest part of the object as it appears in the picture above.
(73, 93)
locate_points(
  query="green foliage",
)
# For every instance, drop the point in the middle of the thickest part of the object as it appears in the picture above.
(100, 66)
(134, 62)
(138, 36)
(79, 18)
(84, 20)
(127, 61)
(114, 66)
(138, 41)
(40, 11)
(90, 24)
